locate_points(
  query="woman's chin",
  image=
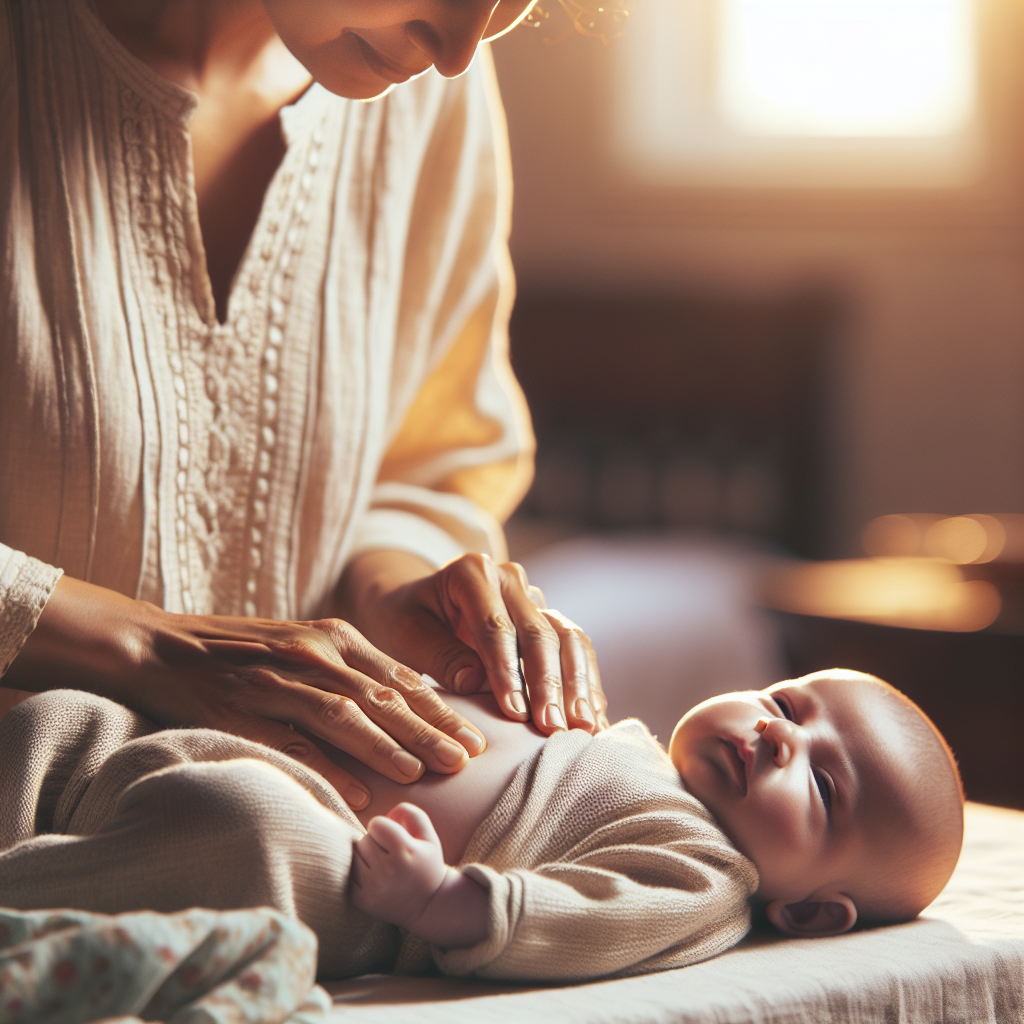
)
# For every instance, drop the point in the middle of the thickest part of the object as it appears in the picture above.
(350, 87)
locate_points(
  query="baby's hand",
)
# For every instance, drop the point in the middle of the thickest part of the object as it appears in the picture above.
(398, 866)
(399, 876)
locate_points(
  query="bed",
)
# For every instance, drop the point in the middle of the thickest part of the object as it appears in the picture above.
(961, 961)
(628, 396)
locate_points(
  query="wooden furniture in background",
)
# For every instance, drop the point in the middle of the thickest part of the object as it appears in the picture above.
(678, 411)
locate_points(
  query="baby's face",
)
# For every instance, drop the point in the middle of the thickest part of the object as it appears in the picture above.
(803, 777)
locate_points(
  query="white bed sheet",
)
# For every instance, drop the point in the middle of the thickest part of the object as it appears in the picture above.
(962, 961)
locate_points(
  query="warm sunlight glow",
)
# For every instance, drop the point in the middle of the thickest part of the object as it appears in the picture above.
(801, 93)
(962, 540)
(915, 592)
(870, 68)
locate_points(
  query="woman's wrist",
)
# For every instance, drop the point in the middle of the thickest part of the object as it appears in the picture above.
(366, 583)
(87, 637)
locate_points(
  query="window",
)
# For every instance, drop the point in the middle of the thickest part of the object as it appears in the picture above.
(841, 93)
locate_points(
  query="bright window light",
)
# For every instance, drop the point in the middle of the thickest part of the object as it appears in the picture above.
(799, 93)
(847, 67)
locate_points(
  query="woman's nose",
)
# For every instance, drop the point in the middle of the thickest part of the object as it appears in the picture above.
(781, 735)
(451, 36)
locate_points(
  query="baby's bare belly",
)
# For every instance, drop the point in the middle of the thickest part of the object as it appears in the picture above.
(456, 803)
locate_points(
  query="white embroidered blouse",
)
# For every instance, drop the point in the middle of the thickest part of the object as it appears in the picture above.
(359, 394)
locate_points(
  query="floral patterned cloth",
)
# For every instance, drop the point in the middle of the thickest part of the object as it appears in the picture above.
(194, 967)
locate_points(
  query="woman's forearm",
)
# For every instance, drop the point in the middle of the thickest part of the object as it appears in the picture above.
(278, 683)
(85, 638)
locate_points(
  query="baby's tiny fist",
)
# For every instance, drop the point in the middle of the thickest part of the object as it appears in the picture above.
(395, 873)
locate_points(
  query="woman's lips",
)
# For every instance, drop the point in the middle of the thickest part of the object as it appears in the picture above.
(381, 66)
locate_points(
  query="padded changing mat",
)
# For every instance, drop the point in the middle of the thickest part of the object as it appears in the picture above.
(961, 961)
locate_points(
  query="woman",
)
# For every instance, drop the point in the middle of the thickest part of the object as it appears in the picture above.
(253, 370)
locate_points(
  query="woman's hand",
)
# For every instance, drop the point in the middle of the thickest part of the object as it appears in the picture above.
(469, 624)
(256, 678)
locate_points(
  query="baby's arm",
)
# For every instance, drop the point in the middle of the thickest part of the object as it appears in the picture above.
(399, 876)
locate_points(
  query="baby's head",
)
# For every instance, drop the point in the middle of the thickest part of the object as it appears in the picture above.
(838, 788)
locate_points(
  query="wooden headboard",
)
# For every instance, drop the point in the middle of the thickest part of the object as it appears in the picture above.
(678, 411)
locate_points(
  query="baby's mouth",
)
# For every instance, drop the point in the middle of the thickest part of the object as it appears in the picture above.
(737, 766)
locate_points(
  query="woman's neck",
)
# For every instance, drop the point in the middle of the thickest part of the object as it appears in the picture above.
(191, 42)
(228, 53)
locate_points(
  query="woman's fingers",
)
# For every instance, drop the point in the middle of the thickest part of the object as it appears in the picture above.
(598, 701)
(429, 706)
(331, 660)
(417, 694)
(575, 650)
(469, 592)
(295, 745)
(539, 650)
(335, 717)
(490, 607)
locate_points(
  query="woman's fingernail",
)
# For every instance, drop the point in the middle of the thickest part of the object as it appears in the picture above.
(406, 763)
(583, 712)
(356, 797)
(462, 679)
(470, 740)
(517, 703)
(450, 753)
(553, 717)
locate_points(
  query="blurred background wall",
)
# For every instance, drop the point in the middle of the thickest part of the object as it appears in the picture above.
(770, 257)
(919, 239)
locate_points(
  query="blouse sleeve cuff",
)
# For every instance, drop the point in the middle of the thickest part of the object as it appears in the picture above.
(434, 525)
(25, 587)
(392, 529)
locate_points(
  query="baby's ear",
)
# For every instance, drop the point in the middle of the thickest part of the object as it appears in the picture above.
(817, 916)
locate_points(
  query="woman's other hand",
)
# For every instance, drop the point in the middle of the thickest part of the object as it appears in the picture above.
(474, 622)
(278, 683)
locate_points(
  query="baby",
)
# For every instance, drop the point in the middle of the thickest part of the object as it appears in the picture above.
(837, 787)
(826, 800)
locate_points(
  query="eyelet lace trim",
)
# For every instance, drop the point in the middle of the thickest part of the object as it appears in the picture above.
(223, 435)
(281, 289)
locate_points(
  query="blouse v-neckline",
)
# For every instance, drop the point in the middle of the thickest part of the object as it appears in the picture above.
(226, 400)
(298, 120)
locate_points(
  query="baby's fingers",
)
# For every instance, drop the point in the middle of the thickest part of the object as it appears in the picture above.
(415, 821)
(389, 835)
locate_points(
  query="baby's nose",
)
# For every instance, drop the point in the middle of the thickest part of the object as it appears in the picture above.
(777, 733)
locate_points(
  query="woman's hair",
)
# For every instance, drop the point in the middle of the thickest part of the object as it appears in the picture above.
(603, 19)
